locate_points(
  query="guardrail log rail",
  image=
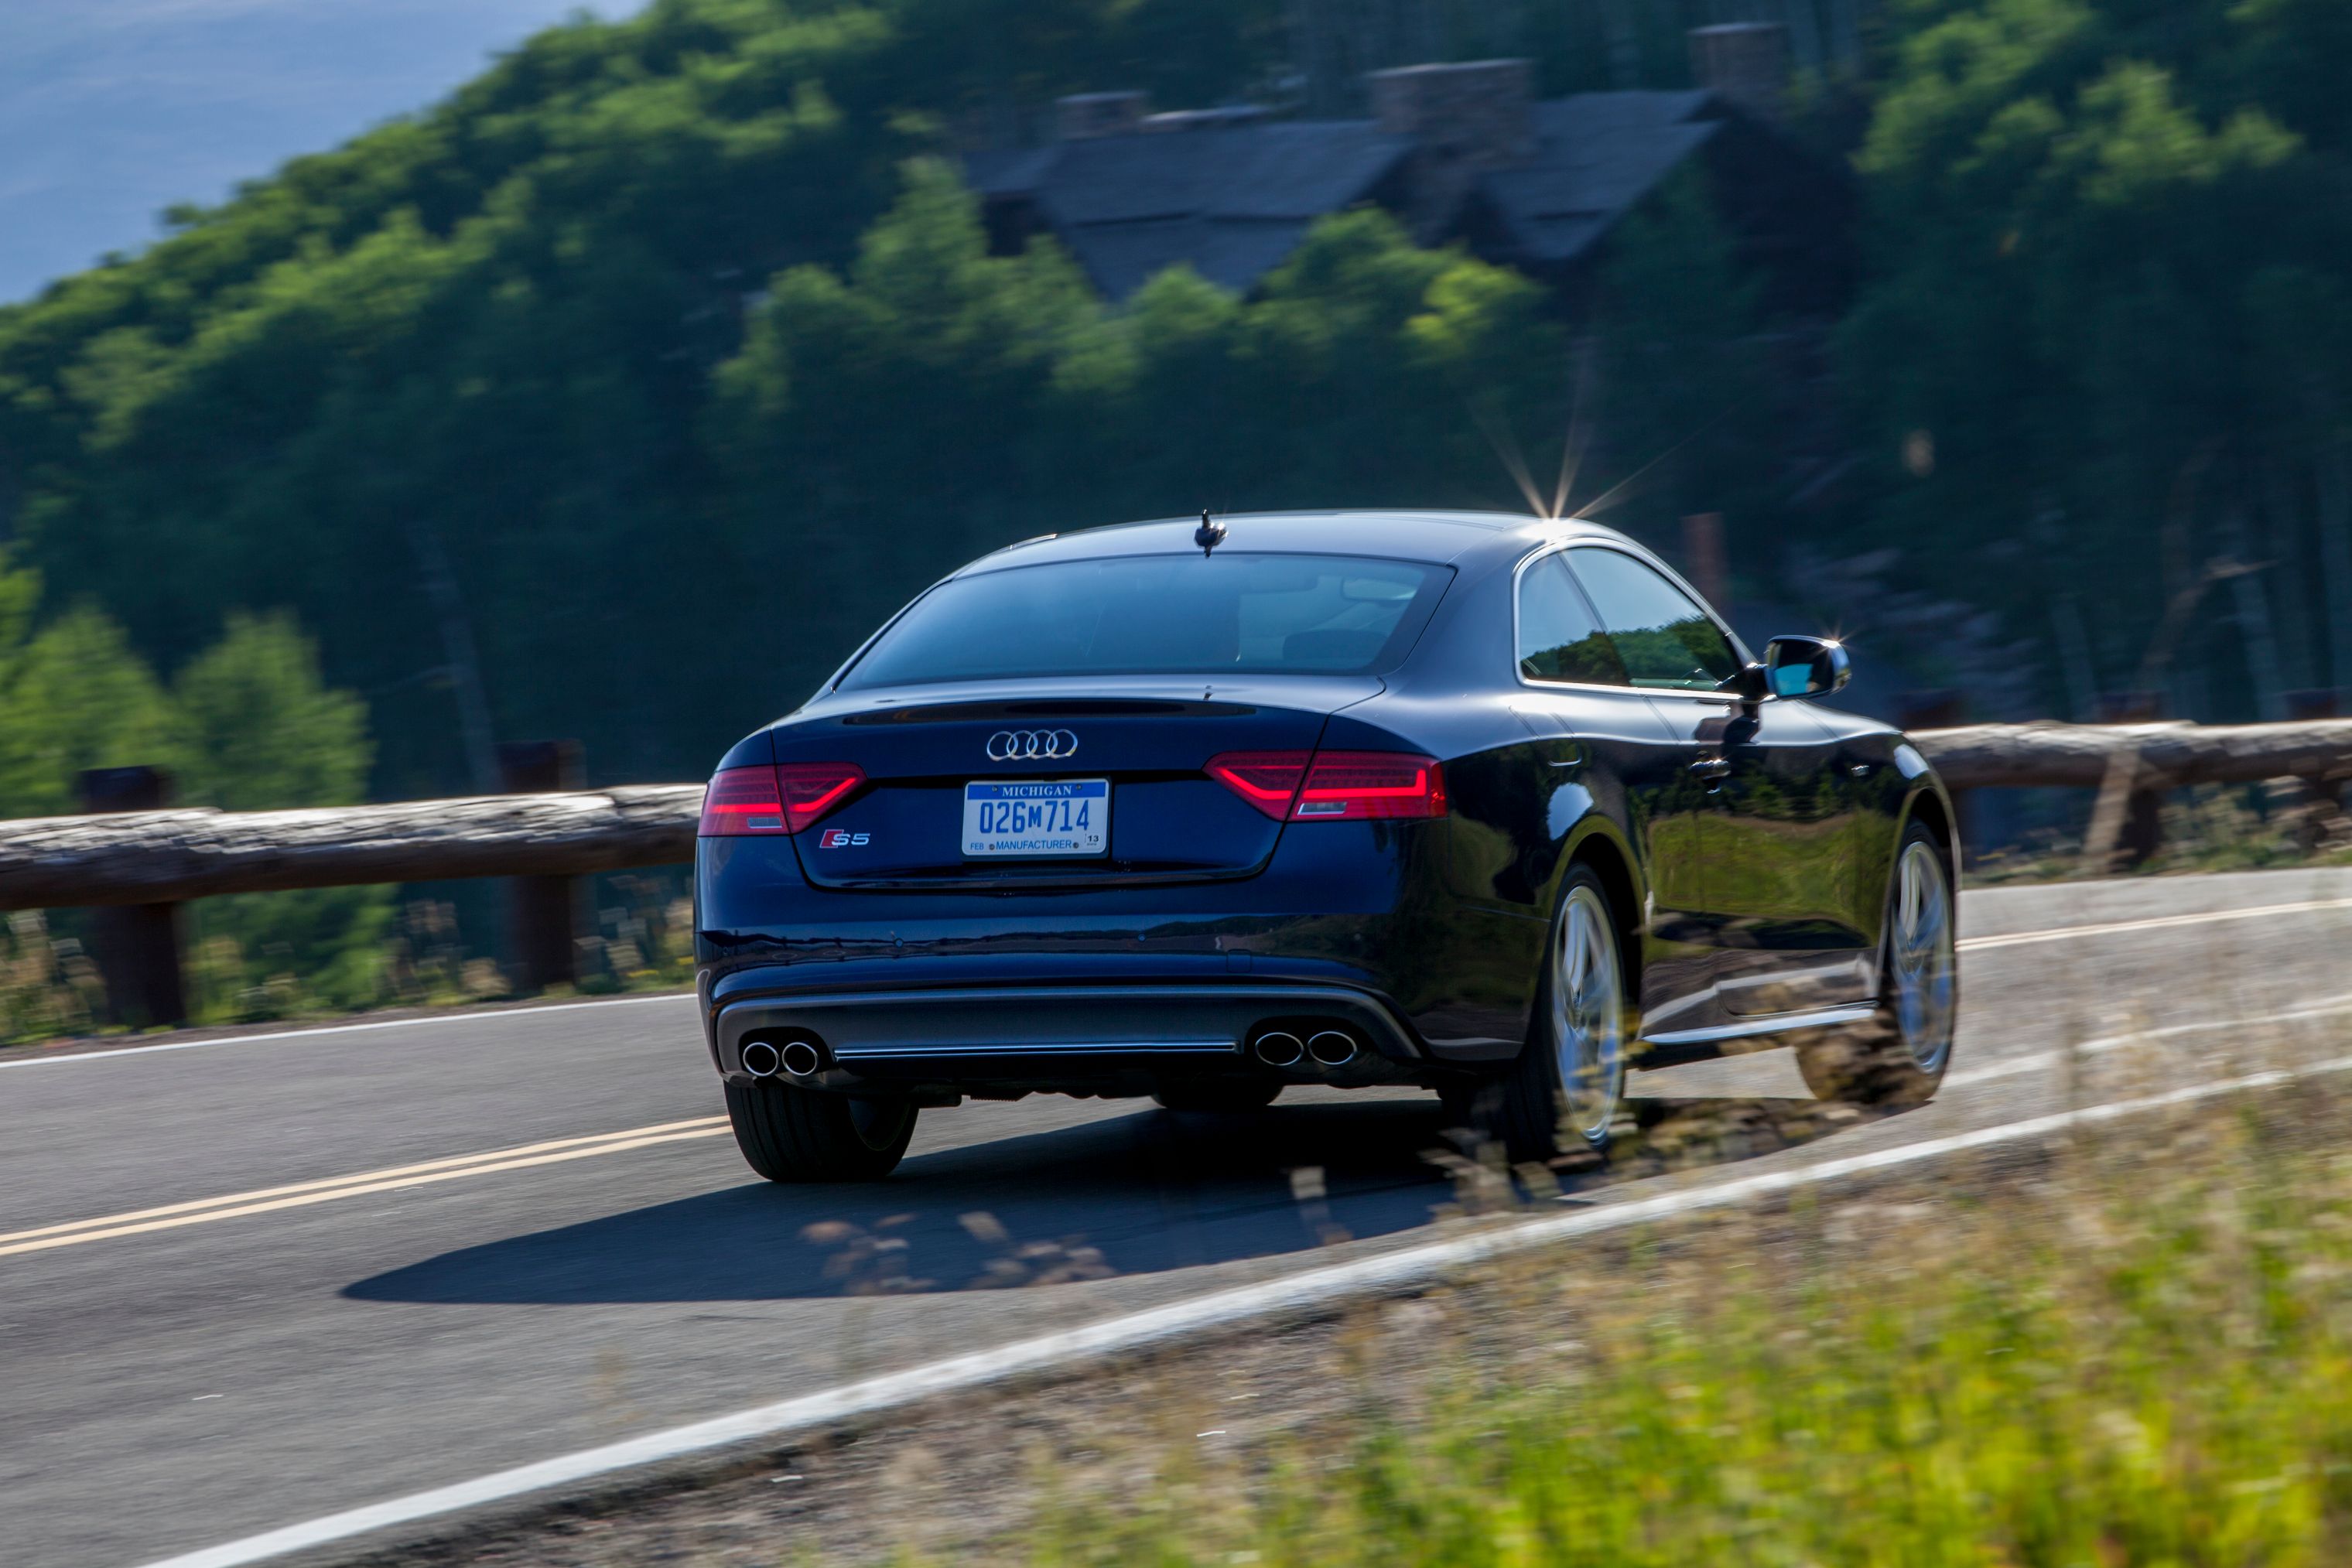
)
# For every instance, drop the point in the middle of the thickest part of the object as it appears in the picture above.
(153, 859)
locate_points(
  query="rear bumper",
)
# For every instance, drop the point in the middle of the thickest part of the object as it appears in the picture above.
(959, 985)
(1085, 1039)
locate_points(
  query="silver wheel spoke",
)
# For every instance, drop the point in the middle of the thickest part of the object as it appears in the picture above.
(1587, 1015)
(1921, 951)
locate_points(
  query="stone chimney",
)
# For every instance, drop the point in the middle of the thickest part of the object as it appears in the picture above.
(1746, 64)
(1466, 118)
(1478, 112)
(1083, 116)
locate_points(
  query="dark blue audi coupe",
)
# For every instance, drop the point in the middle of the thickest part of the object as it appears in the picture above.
(1494, 805)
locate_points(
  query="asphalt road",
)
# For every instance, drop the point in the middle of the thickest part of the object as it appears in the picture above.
(191, 1352)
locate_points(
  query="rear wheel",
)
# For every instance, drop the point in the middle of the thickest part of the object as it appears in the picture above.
(1562, 1095)
(1217, 1096)
(800, 1135)
(1899, 1056)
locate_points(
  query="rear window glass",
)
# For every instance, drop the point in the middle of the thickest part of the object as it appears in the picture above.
(1234, 613)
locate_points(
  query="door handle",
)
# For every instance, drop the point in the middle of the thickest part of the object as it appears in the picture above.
(1712, 767)
(1859, 769)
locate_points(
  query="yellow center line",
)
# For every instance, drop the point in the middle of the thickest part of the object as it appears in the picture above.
(299, 1194)
(525, 1156)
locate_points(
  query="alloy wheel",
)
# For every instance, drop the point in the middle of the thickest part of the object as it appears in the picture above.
(1588, 1015)
(1922, 953)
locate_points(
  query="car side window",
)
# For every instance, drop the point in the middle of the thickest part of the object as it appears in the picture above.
(1666, 640)
(1559, 639)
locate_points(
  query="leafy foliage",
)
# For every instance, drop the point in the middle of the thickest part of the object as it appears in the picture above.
(2093, 222)
(629, 387)
(247, 725)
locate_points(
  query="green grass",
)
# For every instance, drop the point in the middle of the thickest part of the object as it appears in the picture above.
(2136, 1354)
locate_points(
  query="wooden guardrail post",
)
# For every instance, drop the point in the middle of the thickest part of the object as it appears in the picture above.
(542, 912)
(1941, 709)
(2127, 818)
(135, 945)
(2316, 801)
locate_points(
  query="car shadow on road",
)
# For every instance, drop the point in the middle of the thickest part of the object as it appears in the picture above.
(1127, 1195)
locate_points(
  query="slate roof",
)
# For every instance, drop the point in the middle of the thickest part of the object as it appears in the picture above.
(1235, 201)
(1597, 155)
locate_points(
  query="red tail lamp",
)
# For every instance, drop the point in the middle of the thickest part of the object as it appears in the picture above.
(781, 799)
(1334, 785)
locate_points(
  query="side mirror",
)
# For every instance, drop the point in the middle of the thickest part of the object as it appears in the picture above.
(1806, 666)
(1751, 684)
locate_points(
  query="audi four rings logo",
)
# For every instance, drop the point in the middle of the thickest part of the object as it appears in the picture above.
(1032, 745)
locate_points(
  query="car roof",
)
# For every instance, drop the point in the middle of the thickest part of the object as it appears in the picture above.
(1460, 540)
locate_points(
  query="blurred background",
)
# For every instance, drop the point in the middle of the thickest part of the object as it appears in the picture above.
(609, 381)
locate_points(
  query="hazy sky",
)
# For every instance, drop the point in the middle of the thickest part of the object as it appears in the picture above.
(111, 110)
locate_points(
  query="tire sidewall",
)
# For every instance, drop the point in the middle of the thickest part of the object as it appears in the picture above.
(1532, 1116)
(1871, 1063)
(1916, 833)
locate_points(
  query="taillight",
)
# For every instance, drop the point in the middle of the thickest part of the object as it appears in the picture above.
(1266, 779)
(783, 798)
(1334, 785)
(813, 789)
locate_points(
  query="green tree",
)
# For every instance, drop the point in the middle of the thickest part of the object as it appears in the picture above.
(263, 731)
(1679, 389)
(73, 696)
(2072, 205)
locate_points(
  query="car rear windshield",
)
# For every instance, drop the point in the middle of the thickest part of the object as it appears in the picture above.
(1234, 613)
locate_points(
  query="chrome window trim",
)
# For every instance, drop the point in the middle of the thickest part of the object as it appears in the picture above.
(1560, 547)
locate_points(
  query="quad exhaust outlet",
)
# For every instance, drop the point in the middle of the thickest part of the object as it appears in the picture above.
(1324, 1048)
(793, 1058)
(1332, 1048)
(1278, 1048)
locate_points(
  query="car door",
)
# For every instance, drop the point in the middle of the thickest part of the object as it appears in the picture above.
(1767, 822)
(1783, 870)
(1608, 748)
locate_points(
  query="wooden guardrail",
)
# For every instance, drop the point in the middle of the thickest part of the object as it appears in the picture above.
(2155, 755)
(170, 856)
(155, 859)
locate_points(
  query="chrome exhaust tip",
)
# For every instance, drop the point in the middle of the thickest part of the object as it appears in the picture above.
(1277, 1048)
(1332, 1048)
(760, 1060)
(801, 1060)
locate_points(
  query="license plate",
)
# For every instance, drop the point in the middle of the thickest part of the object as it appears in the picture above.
(1063, 817)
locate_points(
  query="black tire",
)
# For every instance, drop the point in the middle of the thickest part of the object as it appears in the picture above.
(1530, 1110)
(792, 1135)
(1217, 1096)
(1880, 1063)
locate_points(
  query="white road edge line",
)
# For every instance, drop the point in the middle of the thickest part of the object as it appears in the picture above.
(2033, 1061)
(1966, 944)
(1134, 1330)
(2151, 923)
(119, 1053)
